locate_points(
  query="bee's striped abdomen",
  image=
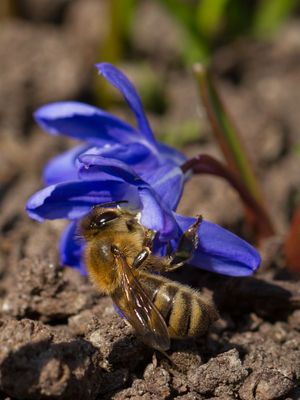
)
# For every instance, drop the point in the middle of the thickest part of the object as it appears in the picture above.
(183, 309)
(179, 321)
(203, 313)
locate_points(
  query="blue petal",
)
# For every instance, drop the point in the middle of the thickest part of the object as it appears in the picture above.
(94, 167)
(71, 248)
(139, 157)
(156, 216)
(74, 199)
(122, 83)
(63, 167)
(170, 154)
(221, 251)
(167, 181)
(85, 122)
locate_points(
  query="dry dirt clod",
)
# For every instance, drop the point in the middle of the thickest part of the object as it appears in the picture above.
(265, 385)
(117, 343)
(79, 323)
(37, 363)
(190, 396)
(225, 369)
(155, 385)
(44, 290)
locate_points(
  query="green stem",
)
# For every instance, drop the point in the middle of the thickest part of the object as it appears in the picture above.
(226, 133)
(206, 164)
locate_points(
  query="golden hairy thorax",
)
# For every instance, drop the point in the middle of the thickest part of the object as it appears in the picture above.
(102, 229)
(100, 261)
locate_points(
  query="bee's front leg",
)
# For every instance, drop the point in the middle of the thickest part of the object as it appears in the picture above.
(141, 257)
(186, 246)
(149, 238)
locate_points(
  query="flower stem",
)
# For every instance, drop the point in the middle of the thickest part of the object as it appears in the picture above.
(228, 138)
(206, 164)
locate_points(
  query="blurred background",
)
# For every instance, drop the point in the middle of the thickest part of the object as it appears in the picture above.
(48, 49)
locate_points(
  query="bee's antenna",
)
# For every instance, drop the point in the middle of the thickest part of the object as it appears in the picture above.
(111, 203)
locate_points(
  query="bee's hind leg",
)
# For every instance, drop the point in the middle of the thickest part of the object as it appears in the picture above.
(173, 363)
(188, 243)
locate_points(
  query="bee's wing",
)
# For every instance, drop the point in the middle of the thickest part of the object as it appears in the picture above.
(139, 310)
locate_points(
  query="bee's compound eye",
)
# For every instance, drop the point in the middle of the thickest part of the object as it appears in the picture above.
(103, 219)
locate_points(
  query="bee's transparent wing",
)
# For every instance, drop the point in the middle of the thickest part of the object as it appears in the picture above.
(139, 310)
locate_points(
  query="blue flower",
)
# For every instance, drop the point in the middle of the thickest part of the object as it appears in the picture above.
(104, 134)
(119, 162)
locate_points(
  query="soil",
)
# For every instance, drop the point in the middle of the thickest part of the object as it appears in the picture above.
(59, 338)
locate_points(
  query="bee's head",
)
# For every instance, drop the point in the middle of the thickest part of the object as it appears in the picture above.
(102, 219)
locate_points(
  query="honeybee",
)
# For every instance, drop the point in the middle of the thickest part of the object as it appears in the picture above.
(121, 264)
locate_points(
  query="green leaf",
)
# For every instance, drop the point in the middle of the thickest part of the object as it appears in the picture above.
(120, 14)
(226, 134)
(270, 14)
(184, 13)
(196, 47)
(209, 16)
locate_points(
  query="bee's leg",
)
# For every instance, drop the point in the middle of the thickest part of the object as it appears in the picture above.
(141, 258)
(186, 246)
(149, 237)
(138, 260)
(173, 364)
(169, 250)
(146, 250)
